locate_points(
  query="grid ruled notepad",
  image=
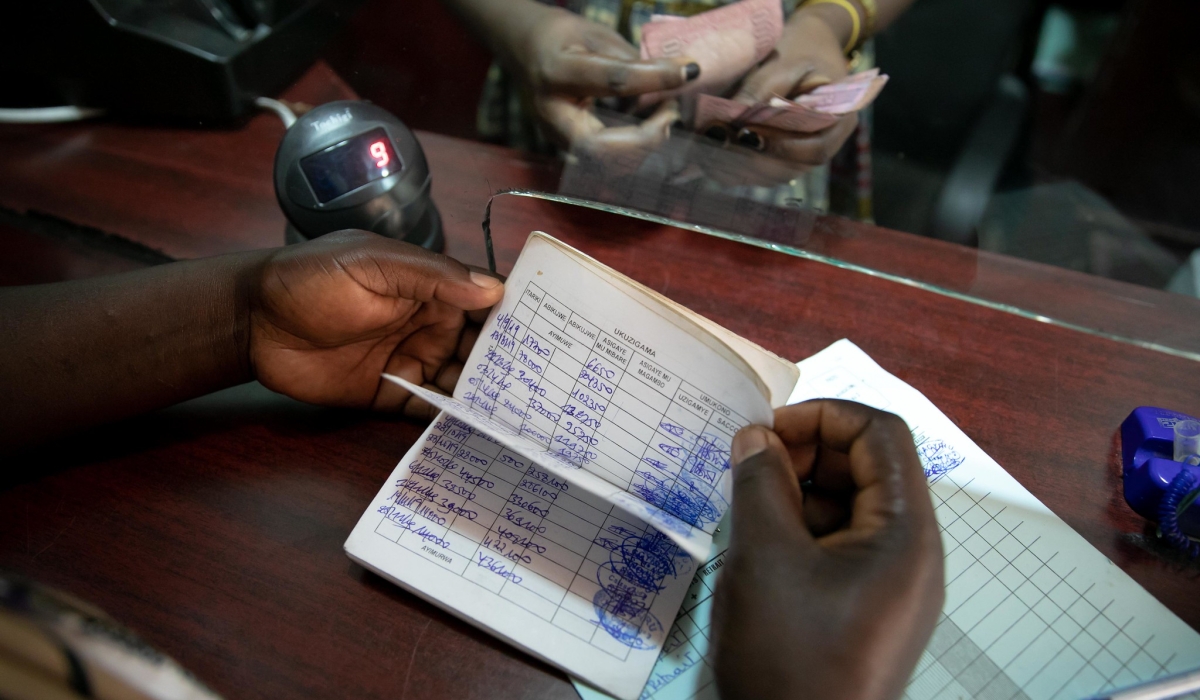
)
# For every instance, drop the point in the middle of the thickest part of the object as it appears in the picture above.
(1033, 612)
(564, 496)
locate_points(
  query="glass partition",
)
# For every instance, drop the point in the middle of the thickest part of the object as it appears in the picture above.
(1037, 156)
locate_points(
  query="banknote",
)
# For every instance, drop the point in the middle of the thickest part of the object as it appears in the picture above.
(845, 96)
(784, 115)
(808, 113)
(726, 42)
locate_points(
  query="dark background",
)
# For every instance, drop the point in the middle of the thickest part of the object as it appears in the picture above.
(1100, 176)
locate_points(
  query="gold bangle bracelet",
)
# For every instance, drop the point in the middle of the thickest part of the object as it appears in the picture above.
(855, 21)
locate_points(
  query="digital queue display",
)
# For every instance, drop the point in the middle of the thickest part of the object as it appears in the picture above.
(346, 166)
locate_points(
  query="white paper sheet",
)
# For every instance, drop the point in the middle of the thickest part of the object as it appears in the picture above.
(1032, 610)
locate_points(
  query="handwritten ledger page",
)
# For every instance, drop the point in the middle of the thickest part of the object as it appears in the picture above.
(1033, 612)
(583, 456)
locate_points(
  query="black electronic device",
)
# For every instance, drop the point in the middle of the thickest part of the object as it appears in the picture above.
(353, 165)
(197, 61)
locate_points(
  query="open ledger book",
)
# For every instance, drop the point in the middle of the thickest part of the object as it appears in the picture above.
(564, 495)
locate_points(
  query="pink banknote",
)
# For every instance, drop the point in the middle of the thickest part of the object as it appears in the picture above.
(808, 113)
(777, 114)
(726, 42)
(845, 96)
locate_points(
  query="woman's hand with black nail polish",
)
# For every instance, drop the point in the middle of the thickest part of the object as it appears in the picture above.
(809, 55)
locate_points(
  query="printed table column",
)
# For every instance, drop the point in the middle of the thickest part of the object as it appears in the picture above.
(639, 401)
(550, 556)
(575, 436)
(549, 329)
(701, 452)
(646, 393)
(503, 547)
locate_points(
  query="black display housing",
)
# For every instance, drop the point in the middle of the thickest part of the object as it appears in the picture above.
(396, 205)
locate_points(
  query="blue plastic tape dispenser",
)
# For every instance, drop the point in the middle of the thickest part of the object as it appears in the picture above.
(1160, 458)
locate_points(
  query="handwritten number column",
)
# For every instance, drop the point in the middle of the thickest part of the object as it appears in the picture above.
(578, 436)
(473, 499)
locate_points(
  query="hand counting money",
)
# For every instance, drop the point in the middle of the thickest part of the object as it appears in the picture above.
(807, 113)
(726, 42)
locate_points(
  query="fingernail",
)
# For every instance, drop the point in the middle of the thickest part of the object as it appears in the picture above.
(750, 139)
(485, 281)
(748, 442)
(691, 71)
(717, 133)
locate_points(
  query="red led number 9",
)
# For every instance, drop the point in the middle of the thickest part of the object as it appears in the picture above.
(379, 152)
